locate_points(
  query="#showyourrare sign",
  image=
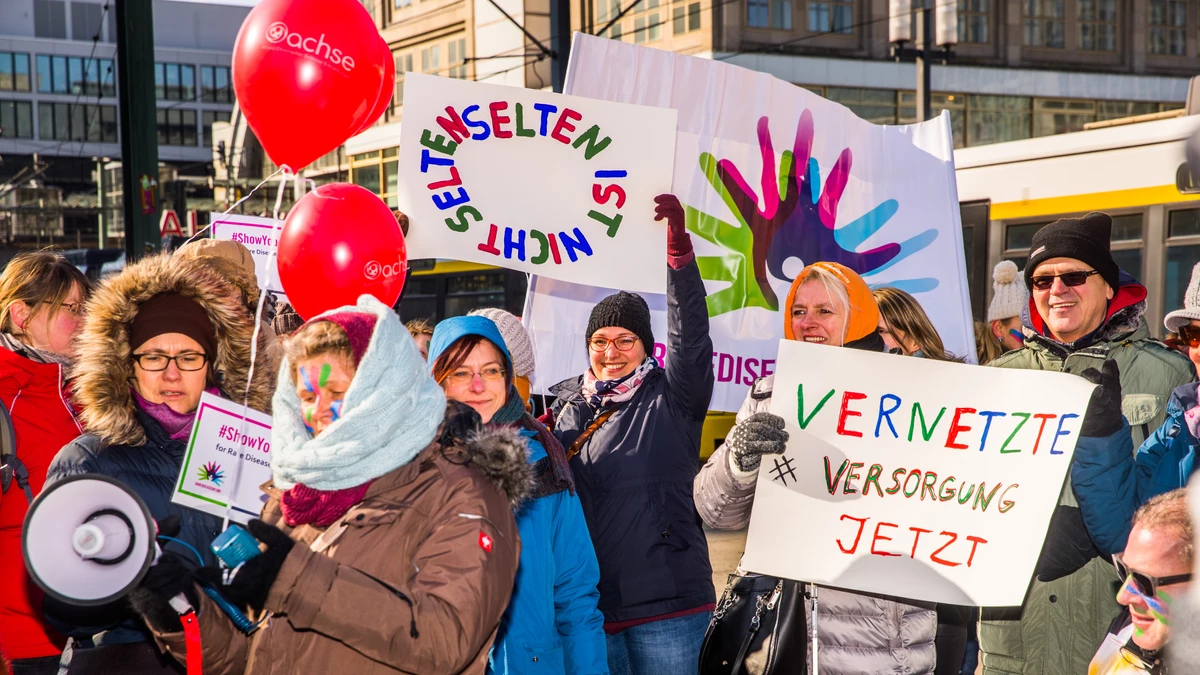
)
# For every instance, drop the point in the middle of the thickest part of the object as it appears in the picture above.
(890, 485)
(261, 237)
(561, 186)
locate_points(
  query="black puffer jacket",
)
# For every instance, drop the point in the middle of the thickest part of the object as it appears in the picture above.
(634, 475)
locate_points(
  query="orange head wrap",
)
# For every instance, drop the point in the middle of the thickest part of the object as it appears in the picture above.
(863, 316)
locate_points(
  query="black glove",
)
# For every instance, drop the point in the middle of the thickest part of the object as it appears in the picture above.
(253, 580)
(1103, 416)
(461, 422)
(170, 576)
(760, 434)
(1068, 546)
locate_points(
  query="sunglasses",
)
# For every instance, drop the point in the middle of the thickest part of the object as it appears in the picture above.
(1145, 584)
(1045, 281)
(1189, 335)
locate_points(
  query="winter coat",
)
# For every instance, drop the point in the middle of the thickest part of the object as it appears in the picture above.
(856, 632)
(1063, 621)
(1111, 482)
(123, 442)
(416, 583)
(43, 421)
(634, 474)
(552, 624)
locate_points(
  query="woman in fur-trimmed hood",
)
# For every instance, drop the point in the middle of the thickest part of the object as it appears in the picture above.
(390, 541)
(157, 336)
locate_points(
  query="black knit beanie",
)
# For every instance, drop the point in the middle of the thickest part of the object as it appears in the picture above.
(1085, 239)
(623, 310)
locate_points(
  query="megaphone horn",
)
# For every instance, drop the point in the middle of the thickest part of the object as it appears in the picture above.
(88, 540)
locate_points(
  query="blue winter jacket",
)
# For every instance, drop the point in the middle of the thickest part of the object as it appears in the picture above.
(1111, 482)
(552, 624)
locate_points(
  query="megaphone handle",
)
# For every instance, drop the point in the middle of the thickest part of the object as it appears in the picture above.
(191, 633)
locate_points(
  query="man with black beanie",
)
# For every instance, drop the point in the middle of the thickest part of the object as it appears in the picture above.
(1083, 311)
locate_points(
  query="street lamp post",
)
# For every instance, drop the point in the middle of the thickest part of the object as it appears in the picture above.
(936, 33)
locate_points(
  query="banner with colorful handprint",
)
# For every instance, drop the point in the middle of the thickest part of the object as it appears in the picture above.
(773, 177)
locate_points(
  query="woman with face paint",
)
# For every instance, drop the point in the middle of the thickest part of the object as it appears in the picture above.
(553, 624)
(390, 544)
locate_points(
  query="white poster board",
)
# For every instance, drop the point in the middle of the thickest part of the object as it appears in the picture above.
(535, 181)
(881, 200)
(228, 458)
(891, 485)
(261, 236)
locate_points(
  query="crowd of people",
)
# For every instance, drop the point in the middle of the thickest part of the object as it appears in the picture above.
(421, 519)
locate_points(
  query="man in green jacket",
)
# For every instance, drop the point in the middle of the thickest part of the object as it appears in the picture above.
(1083, 310)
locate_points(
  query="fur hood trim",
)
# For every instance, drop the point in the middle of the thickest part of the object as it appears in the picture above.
(103, 365)
(502, 454)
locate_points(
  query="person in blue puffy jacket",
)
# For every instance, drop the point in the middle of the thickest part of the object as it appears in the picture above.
(552, 624)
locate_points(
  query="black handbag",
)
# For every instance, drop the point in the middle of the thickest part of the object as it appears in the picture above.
(757, 628)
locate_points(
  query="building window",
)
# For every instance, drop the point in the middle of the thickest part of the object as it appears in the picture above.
(647, 21)
(606, 11)
(404, 64)
(458, 58)
(874, 105)
(177, 127)
(174, 82)
(401, 4)
(208, 118)
(378, 172)
(214, 85)
(431, 59)
(14, 72)
(86, 21)
(50, 19)
(831, 17)
(973, 21)
(1044, 23)
(758, 13)
(996, 119)
(1114, 110)
(77, 122)
(16, 119)
(1168, 27)
(75, 75)
(1098, 25)
(685, 18)
(1060, 116)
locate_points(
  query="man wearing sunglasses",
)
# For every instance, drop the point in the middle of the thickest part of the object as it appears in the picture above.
(1155, 571)
(1083, 311)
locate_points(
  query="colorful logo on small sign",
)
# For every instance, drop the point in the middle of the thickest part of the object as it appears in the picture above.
(212, 473)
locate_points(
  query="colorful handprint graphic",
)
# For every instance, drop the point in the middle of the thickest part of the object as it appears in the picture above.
(796, 219)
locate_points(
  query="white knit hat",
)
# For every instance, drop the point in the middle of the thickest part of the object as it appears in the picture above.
(1011, 296)
(515, 339)
(1191, 304)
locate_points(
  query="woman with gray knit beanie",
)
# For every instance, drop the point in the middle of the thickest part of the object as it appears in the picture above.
(632, 430)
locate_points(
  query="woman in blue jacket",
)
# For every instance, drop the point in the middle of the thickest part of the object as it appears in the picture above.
(552, 624)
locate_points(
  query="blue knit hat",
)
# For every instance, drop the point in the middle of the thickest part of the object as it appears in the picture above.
(446, 333)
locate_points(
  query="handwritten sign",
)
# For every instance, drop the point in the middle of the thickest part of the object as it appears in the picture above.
(914, 478)
(559, 185)
(261, 236)
(228, 458)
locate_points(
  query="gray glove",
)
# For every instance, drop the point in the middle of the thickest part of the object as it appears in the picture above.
(760, 434)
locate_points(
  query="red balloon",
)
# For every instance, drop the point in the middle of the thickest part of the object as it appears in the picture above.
(386, 88)
(338, 242)
(305, 77)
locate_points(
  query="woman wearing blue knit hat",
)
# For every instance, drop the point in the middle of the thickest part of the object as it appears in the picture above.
(552, 623)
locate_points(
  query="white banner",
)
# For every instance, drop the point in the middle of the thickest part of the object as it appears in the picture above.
(228, 458)
(773, 177)
(261, 236)
(890, 485)
(535, 181)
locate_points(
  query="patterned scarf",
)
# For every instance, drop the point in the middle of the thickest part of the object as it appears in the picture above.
(603, 393)
(551, 474)
(511, 412)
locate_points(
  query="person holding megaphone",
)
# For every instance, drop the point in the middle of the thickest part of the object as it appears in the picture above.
(157, 335)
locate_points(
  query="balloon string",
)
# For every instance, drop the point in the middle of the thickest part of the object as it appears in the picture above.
(279, 196)
(206, 228)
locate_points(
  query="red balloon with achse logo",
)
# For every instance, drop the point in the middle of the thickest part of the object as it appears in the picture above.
(338, 242)
(307, 75)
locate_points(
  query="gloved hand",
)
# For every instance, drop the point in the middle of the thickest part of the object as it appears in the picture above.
(253, 580)
(679, 242)
(170, 575)
(760, 434)
(1068, 546)
(1103, 417)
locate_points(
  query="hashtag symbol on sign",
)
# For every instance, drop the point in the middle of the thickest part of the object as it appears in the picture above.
(783, 471)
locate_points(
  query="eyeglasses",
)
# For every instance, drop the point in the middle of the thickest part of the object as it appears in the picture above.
(187, 361)
(464, 376)
(75, 308)
(1189, 335)
(1145, 584)
(1045, 281)
(623, 343)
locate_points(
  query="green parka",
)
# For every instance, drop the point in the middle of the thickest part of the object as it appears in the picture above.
(1063, 622)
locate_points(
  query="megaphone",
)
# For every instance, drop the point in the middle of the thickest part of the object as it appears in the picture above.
(88, 540)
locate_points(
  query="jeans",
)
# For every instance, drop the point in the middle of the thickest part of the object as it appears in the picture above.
(667, 647)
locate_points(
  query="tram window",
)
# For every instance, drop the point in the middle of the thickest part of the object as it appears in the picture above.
(1184, 223)
(1129, 259)
(475, 283)
(1180, 261)
(1127, 227)
(1021, 236)
(457, 306)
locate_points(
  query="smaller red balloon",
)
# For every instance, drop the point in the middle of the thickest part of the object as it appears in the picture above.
(339, 242)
